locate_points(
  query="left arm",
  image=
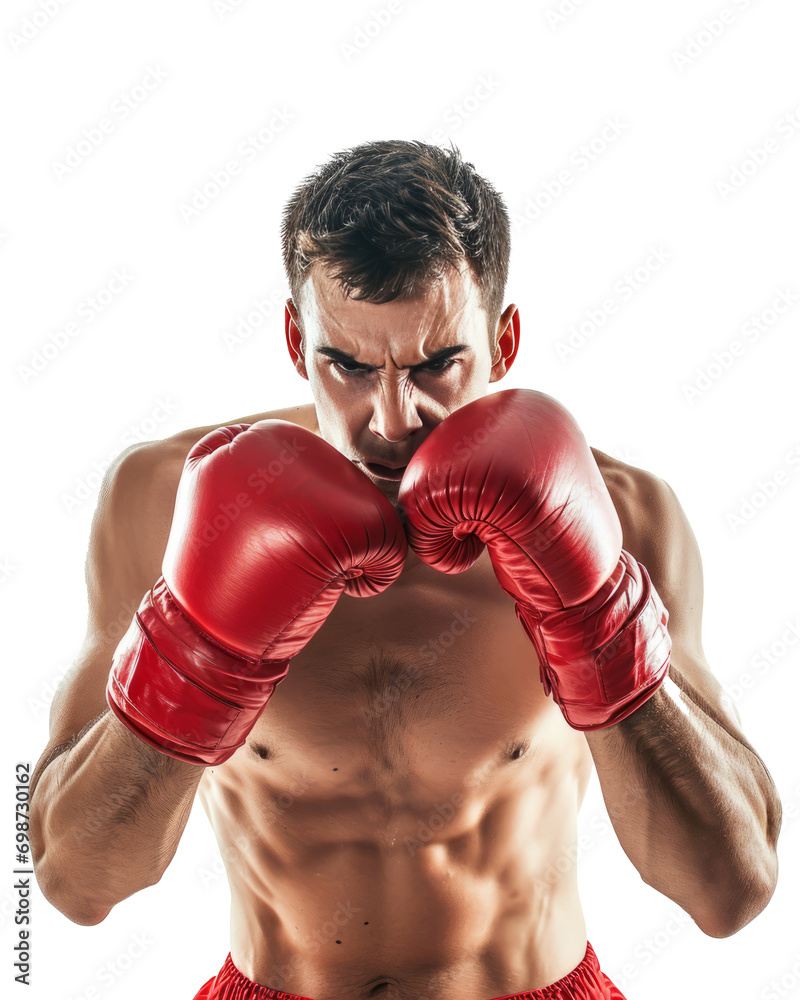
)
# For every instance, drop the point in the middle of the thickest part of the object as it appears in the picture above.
(691, 802)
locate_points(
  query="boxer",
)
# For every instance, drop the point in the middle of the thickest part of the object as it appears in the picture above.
(385, 636)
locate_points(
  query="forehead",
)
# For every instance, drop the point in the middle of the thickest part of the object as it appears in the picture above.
(449, 311)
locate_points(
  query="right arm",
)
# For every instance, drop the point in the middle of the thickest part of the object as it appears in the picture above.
(238, 596)
(107, 810)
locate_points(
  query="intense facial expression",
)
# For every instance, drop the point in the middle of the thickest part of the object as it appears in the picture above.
(383, 376)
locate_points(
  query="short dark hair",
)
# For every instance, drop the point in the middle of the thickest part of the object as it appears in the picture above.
(387, 218)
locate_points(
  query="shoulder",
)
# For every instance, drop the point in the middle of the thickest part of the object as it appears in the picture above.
(152, 469)
(134, 511)
(148, 473)
(656, 531)
(304, 415)
(644, 502)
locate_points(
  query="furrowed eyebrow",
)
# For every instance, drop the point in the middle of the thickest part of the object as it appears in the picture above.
(336, 355)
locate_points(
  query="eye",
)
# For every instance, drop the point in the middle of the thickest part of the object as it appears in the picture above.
(348, 367)
(353, 369)
(435, 367)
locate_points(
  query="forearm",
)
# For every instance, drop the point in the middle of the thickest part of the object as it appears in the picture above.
(693, 806)
(106, 819)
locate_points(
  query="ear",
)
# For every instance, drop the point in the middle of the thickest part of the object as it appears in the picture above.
(294, 339)
(507, 343)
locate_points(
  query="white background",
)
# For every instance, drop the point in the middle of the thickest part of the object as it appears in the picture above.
(520, 91)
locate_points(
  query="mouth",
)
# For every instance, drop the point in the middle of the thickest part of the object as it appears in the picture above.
(385, 471)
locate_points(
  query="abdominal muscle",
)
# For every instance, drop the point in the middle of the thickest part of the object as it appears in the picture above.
(396, 824)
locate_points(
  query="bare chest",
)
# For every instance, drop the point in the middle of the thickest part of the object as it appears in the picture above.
(427, 687)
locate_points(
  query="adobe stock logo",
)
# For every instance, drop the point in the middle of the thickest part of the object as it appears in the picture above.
(770, 655)
(366, 33)
(248, 149)
(578, 162)
(621, 292)
(120, 109)
(439, 473)
(458, 113)
(87, 310)
(709, 33)
(247, 323)
(88, 485)
(561, 12)
(222, 8)
(759, 154)
(227, 513)
(765, 491)
(33, 24)
(726, 357)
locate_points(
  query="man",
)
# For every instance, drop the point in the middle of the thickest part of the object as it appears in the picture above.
(386, 635)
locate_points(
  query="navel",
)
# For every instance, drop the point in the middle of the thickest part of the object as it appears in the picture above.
(259, 750)
(518, 750)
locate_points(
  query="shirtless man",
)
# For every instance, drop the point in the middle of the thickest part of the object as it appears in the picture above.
(392, 754)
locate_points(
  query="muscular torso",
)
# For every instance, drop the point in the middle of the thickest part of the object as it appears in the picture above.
(393, 825)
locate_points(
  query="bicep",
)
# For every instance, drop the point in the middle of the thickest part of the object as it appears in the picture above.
(666, 545)
(657, 533)
(126, 545)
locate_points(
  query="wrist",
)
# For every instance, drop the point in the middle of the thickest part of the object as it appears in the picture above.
(182, 692)
(602, 659)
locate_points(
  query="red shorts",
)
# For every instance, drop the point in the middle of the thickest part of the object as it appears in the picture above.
(585, 982)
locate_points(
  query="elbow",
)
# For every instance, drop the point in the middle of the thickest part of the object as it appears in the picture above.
(83, 895)
(75, 904)
(744, 903)
(724, 923)
(57, 888)
(84, 916)
(83, 900)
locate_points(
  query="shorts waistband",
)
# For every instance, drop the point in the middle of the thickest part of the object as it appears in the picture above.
(585, 982)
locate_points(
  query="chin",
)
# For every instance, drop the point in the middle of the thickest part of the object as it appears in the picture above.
(389, 489)
(392, 493)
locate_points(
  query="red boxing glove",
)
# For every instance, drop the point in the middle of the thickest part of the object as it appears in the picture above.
(271, 525)
(512, 471)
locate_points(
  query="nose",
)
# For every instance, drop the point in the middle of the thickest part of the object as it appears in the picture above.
(394, 413)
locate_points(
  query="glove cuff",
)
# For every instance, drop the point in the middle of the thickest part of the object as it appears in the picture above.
(604, 658)
(180, 691)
